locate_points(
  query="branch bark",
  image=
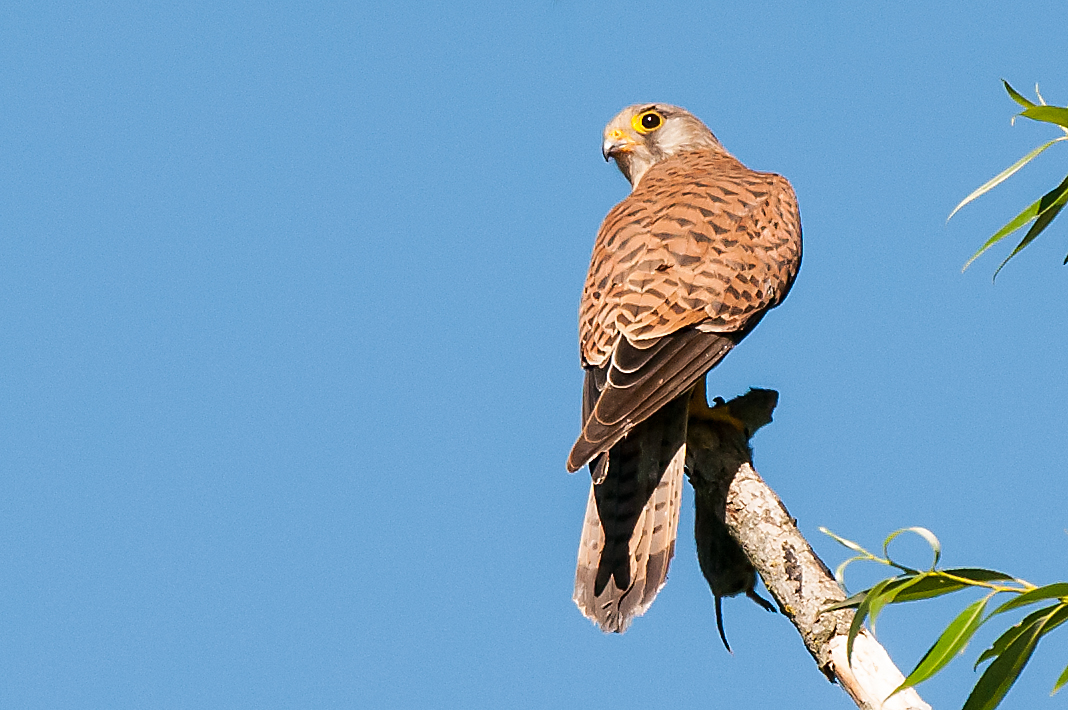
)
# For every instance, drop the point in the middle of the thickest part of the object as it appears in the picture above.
(729, 492)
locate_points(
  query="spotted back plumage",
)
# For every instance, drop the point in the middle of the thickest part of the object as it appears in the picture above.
(682, 269)
(701, 242)
(702, 239)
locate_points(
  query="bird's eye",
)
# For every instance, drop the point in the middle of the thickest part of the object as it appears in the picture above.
(647, 121)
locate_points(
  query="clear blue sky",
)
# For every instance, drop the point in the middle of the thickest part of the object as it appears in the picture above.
(288, 349)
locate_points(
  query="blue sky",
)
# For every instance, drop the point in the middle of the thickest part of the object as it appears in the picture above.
(288, 299)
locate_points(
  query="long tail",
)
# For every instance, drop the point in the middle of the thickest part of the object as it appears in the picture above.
(632, 518)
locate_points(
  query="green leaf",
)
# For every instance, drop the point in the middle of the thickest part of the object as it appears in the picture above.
(1018, 221)
(842, 541)
(1002, 177)
(839, 571)
(892, 588)
(893, 591)
(862, 613)
(1050, 206)
(1060, 682)
(1050, 591)
(978, 574)
(1058, 618)
(926, 534)
(1035, 209)
(1000, 675)
(1017, 96)
(896, 587)
(927, 587)
(1048, 114)
(1005, 640)
(850, 603)
(937, 583)
(949, 644)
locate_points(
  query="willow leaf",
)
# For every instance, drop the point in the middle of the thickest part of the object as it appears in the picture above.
(927, 587)
(1004, 175)
(850, 603)
(1050, 591)
(978, 574)
(949, 644)
(1006, 668)
(1052, 203)
(1000, 675)
(1015, 223)
(842, 541)
(1048, 114)
(1006, 639)
(1035, 210)
(862, 612)
(1061, 681)
(1017, 96)
(905, 588)
(932, 540)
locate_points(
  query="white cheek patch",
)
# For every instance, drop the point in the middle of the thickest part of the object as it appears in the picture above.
(673, 136)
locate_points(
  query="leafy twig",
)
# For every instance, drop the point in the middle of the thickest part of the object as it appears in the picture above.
(1041, 212)
(1008, 654)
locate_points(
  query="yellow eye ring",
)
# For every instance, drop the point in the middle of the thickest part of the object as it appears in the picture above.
(647, 121)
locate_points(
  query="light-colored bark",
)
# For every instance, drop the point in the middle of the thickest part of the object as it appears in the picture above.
(725, 482)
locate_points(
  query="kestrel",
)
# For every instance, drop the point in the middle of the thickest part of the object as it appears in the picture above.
(682, 270)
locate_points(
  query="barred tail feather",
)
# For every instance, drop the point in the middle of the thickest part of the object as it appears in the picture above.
(631, 522)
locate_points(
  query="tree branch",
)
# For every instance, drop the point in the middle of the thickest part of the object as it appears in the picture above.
(729, 492)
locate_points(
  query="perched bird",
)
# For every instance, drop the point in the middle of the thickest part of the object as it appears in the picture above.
(682, 269)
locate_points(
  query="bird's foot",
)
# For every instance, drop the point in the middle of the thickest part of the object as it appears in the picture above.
(721, 412)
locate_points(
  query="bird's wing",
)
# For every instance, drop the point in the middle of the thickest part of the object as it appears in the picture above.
(637, 382)
(682, 269)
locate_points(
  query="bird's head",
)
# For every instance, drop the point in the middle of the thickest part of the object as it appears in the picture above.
(644, 134)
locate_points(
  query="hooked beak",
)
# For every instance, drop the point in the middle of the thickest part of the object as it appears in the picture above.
(616, 141)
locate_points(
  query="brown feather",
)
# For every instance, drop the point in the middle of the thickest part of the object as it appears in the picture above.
(701, 239)
(681, 271)
(625, 399)
(628, 535)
